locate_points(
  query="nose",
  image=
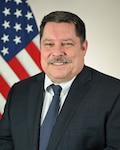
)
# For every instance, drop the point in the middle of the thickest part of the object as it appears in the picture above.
(58, 50)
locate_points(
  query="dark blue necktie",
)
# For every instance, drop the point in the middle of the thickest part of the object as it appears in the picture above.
(50, 118)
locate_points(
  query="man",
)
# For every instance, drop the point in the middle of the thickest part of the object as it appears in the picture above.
(89, 114)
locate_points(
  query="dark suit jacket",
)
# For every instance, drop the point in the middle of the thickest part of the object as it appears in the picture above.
(89, 119)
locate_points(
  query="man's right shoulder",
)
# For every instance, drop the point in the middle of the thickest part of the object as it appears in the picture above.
(33, 79)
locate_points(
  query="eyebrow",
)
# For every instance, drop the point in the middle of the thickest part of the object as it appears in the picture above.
(69, 39)
(47, 40)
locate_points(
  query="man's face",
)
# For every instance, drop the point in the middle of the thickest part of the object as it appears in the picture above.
(62, 54)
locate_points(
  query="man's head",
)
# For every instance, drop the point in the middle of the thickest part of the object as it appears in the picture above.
(68, 17)
(63, 45)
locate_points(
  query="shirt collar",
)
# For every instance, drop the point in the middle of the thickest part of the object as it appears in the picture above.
(47, 82)
(65, 86)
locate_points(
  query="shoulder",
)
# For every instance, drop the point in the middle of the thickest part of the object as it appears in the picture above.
(102, 78)
(31, 80)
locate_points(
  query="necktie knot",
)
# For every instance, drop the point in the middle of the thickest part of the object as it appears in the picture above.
(56, 89)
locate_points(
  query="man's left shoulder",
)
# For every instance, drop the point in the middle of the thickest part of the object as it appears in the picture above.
(104, 78)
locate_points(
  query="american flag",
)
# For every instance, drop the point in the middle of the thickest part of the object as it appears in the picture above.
(19, 45)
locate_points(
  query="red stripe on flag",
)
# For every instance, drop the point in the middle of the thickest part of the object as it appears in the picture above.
(4, 87)
(18, 68)
(34, 52)
(0, 115)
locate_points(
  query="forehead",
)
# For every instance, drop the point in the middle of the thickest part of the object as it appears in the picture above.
(63, 28)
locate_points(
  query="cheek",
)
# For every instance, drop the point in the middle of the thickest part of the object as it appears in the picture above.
(44, 56)
(73, 55)
(77, 58)
(43, 60)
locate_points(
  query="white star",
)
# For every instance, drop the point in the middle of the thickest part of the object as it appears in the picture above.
(6, 11)
(18, 1)
(29, 15)
(5, 38)
(18, 13)
(17, 27)
(4, 51)
(29, 28)
(7, 1)
(26, 2)
(6, 24)
(17, 40)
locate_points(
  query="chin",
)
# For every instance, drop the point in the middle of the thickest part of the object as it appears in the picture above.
(60, 79)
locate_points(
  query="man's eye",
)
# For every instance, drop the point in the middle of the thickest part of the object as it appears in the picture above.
(48, 44)
(67, 44)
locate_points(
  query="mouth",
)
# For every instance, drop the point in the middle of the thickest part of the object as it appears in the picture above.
(59, 63)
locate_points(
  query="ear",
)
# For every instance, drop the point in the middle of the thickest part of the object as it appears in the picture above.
(84, 47)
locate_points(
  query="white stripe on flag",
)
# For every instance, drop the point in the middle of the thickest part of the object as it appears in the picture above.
(7, 72)
(36, 40)
(2, 103)
(28, 63)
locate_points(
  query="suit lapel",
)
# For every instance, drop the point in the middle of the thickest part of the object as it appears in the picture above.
(34, 112)
(76, 94)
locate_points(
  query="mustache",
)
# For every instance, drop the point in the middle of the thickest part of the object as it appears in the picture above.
(59, 59)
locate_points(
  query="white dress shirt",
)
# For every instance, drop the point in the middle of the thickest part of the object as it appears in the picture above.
(49, 94)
